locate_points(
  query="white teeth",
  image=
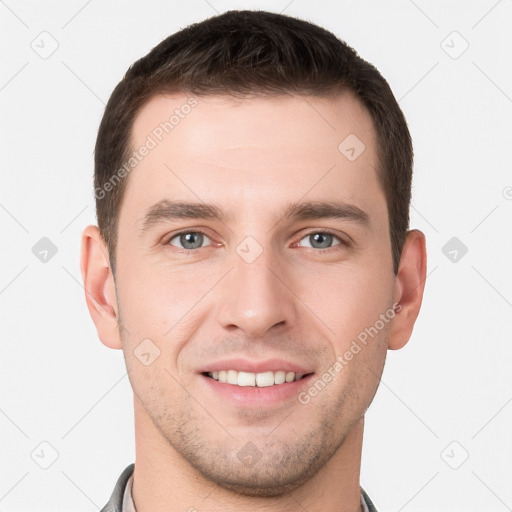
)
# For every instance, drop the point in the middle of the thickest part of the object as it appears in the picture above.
(246, 379)
(261, 380)
(232, 377)
(280, 377)
(265, 379)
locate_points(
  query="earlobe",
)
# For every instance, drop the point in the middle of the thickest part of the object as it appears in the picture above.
(100, 292)
(409, 287)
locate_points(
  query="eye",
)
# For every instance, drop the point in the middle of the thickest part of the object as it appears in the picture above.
(189, 240)
(320, 240)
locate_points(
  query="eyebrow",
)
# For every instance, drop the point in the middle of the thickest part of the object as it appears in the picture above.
(313, 210)
(167, 210)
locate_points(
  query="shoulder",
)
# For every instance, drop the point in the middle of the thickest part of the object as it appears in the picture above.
(370, 507)
(115, 503)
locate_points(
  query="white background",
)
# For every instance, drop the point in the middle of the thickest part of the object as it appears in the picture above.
(450, 383)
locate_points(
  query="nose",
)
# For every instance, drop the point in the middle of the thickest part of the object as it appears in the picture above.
(257, 298)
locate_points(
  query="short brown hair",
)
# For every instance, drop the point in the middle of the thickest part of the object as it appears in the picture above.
(244, 54)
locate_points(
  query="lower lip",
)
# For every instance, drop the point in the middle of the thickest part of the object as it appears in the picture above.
(253, 396)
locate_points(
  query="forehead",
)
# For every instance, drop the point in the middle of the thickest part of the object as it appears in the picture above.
(261, 122)
(253, 153)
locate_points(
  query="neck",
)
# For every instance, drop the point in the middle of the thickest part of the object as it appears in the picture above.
(164, 481)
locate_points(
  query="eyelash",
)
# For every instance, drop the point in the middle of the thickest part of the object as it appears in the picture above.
(343, 242)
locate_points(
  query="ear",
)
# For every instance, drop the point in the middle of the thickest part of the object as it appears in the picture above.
(100, 292)
(409, 286)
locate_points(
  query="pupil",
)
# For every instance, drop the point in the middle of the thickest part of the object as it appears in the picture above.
(321, 239)
(191, 240)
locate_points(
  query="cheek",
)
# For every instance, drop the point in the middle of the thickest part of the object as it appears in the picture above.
(160, 310)
(347, 300)
(153, 300)
(156, 389)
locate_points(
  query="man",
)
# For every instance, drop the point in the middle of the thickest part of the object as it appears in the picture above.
(253, 262)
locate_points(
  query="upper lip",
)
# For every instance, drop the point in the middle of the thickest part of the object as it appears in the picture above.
(244, 365)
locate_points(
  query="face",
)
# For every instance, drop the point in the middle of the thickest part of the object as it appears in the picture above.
(253, 247)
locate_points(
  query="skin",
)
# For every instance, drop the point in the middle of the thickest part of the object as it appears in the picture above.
(297, 301)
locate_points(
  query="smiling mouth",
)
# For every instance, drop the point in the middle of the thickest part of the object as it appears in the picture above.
(249, 379)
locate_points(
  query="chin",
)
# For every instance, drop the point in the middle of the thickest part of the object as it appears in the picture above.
(263, 485)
